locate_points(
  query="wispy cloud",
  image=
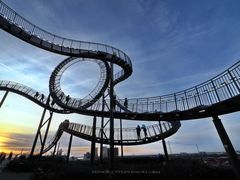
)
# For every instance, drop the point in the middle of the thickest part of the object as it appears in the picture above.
(173, 45)
(20, 75)
(6, 67)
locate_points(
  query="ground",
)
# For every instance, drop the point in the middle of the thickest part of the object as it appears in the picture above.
(135, 168)
(16, 176)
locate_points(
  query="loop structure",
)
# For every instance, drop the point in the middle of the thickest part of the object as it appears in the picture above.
(73, 103)
(217, 96)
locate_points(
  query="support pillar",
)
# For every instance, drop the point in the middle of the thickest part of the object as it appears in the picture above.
(101, 143)
(102, 126)
(121, 136)
(38, 132)
(69, 147)
(3, 99)
(46, 132)
(165, 149)
(93, 143)
(54, 150)
(58, 146)
(112, 99)
(164, 143)
(228, 146)
(40, 126)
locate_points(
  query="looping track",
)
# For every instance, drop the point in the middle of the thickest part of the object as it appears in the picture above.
(73, 103)
(155, 133)
(219, 95)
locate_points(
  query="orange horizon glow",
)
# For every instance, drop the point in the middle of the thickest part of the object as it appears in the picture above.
(15, 150)
(76, 151)
(7, 129)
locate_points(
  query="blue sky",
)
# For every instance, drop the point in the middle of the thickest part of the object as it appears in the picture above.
(173, 45)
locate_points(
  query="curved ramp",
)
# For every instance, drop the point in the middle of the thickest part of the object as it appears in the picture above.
(155, 132)
(33, 95)
(219, 95)
(18, 26)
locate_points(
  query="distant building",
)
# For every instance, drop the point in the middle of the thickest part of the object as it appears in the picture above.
(59, 153)
(115, 152)
(96, 153)
(106, 152)
(87, 155)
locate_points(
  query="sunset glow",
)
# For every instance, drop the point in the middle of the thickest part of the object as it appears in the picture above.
(172, 47)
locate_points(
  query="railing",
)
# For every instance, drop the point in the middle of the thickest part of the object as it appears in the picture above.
(72, 101)
(128, 134)
(222, 87)
(54, 139)
(27, 91)
(32, 29)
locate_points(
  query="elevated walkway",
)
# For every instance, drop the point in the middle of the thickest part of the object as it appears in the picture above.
(217, 96)
(155, 132)
(18, 26)
(31, 94)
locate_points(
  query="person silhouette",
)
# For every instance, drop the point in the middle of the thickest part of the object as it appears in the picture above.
(144, 130)
(114, 55)
(42, 97)
(126, 103)
(138, 129)
(36, 95)
(67, 99)
(10, 156)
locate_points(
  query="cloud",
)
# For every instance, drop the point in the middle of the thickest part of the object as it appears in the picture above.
(18, 140)
(7, 68)
(172, 45)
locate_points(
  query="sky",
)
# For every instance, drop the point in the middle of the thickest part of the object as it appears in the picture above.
(173, 45)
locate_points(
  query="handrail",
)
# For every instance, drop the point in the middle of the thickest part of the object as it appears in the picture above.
(155, 132)
(128, 133)
(220, 88)
(17, 19)
(76, 102)
(229, 88)
(225, 85)
(33, 95)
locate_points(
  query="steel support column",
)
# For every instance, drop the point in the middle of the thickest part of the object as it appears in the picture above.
(165, 149)
(54, 150)
(3, 99)
(58, 146)
(93, 143)
(46, 132)
(227, 145)
(40, 126)
(38, 132)
(112, 99)
(101, 131)
(69, 147)
(121, 136)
